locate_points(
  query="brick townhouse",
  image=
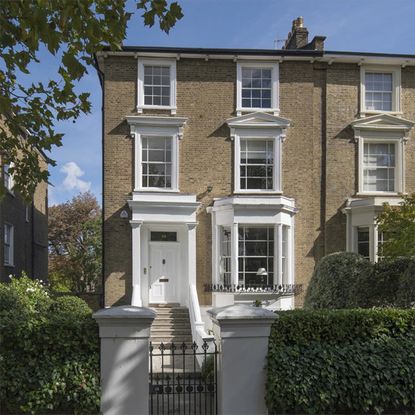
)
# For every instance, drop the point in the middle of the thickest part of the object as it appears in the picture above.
(23, 230)
(244, 167)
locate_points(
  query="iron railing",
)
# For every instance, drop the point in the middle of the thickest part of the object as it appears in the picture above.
(178, 384)
(281, 289)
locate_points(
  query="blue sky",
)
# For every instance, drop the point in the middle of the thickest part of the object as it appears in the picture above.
(354, 25)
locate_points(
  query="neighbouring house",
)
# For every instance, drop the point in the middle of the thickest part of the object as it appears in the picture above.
(23, 229)
(230, 168)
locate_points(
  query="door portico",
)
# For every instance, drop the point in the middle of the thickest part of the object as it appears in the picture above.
(163, 247)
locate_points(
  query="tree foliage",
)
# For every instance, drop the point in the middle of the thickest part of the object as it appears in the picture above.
(398, 225)
(75, 244)
(72, 31)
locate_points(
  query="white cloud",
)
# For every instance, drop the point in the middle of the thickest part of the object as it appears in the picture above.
(72, 180)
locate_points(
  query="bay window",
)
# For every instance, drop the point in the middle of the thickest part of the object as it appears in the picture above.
(255, 256)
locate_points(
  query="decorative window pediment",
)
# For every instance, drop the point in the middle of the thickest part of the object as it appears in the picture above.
(258, 137)
(258, 120)
(383, 123)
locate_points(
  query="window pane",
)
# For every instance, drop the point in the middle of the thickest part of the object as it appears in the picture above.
(156, 162)
(256, 251)
(363, 242)
(156, 85)
(379, 167)
(256, 164)
(379, 90)
(256, 88)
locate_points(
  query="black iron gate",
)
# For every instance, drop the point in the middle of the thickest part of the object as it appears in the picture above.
(183, 379)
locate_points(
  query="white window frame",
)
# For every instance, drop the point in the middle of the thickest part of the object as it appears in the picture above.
(171, 63)
(396, 88)
(10, 246)
(274, 86)
(156, 126)
(174, 158)
(382, 138)
(251, 135)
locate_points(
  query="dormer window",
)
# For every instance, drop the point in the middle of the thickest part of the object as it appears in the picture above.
(257, 87)
(156, 85)
(380, 89)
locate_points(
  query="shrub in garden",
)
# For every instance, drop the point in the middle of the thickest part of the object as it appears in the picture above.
(49, 351)
(380, 287)
(405, 296)
(337, 361)
(335, 281)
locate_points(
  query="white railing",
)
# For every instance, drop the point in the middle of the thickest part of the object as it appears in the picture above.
(199, 333)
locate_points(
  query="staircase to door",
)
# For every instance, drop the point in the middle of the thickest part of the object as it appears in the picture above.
(171, 325)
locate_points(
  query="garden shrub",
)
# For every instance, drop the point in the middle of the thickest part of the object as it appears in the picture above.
(328, 361)
(302, 327)
(335, 281)
(359, 377)
(405, 296)
(380, 287)
(49, 351)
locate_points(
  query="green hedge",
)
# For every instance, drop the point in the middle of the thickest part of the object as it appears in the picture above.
(327, 361)
(336, 280)
(302, 327)
(49, 351)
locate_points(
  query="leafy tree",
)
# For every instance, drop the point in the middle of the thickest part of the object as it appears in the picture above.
(398, 225)
(72, 31)
(75, 244)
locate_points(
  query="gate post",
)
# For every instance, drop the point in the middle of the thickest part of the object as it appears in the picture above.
(124, 333)
(243, 331)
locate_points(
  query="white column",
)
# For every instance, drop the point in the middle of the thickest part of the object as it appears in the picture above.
(191, 252)
(278, 253)
(290, 255)
(243, 331)
(124, 333)
(216, 246)
(136, 299)
(234, 253)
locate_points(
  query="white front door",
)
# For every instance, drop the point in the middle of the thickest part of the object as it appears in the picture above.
(164, 259)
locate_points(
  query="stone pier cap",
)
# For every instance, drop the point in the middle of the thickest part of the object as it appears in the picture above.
(124, 312)
(125, 321)
(241, 312)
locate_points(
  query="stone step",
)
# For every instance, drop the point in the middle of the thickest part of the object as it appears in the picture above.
(170, 331)
(172, 312)
(181, 326)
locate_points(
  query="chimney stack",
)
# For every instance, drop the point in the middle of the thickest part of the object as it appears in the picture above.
(298, 37)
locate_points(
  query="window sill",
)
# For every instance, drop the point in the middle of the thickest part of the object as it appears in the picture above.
(362, 194)
(257, 192)
(240, 110)
(172, 110)
(9, 265)
(156, 190)
(373, 112)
